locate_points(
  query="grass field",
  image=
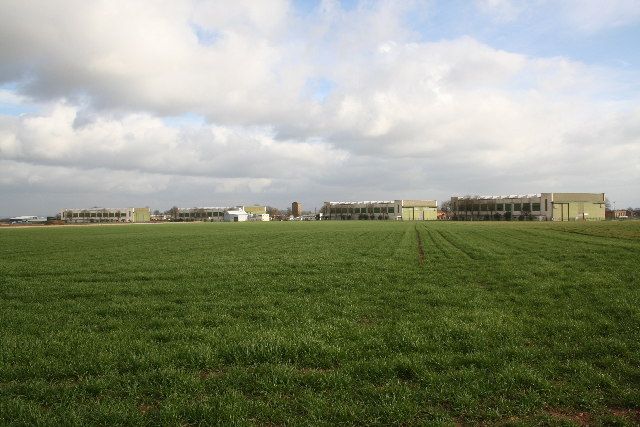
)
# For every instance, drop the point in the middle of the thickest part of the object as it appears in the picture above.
(355, 322)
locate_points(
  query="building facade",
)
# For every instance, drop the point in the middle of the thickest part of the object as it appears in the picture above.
(296, 209)
(236, 215)
(406, 210)
(255, 213)
(207, 213)
(95, 215)
(542, 206)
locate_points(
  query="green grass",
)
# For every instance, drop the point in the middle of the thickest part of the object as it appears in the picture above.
(321, 323)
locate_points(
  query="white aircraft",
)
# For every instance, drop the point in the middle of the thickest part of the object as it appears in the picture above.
(27, 219)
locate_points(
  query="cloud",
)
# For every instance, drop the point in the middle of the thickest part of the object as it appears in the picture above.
(140, 142)
(340, 103)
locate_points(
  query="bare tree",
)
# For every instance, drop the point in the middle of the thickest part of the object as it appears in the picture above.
(174, 212)
(200, 213)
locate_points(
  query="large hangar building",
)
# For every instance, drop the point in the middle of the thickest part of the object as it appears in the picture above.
(241, 213)
(542, 206)
(105, 215)
(406, 210)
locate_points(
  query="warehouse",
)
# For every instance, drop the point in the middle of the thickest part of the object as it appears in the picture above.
(233, 214)
(541, 206)
(105, 215)
(407, 210)
(201, 213)
(236, 215)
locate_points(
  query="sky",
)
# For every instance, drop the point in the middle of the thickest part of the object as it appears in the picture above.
(217, 103)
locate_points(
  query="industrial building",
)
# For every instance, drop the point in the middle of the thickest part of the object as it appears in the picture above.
(232, 214)
(406, 210)
(541, 206)
(201, 213)
(105, 215)
(236, 215)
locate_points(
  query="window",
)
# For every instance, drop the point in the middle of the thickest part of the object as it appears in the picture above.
(517, 206)
(500, 207)
(536, 207)
(391, 209)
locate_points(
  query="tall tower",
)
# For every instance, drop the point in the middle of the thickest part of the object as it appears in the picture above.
(296, 209)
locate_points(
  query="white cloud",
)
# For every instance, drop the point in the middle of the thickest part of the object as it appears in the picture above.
(139, 142)
(402, 116)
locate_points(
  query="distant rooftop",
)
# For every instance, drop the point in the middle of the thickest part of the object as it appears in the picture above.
(510, 196)
(368, 202)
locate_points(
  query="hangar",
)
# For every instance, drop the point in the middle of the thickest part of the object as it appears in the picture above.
(541, 206)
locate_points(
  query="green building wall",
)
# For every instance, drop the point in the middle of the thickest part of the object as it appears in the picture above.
(578, 211)
(141, 215)
(419, 213)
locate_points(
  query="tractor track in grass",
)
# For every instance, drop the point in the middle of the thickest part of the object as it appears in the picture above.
(437, 244)
(458, 247)
(612, 240)
(420, 247)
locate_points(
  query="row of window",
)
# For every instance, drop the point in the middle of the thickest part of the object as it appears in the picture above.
(508, 207)
(98, 214)
(200, 214)
(390, 209)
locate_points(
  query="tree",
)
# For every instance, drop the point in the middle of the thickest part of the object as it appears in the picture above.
(273, 212)
(200, 213)
(174, 212)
